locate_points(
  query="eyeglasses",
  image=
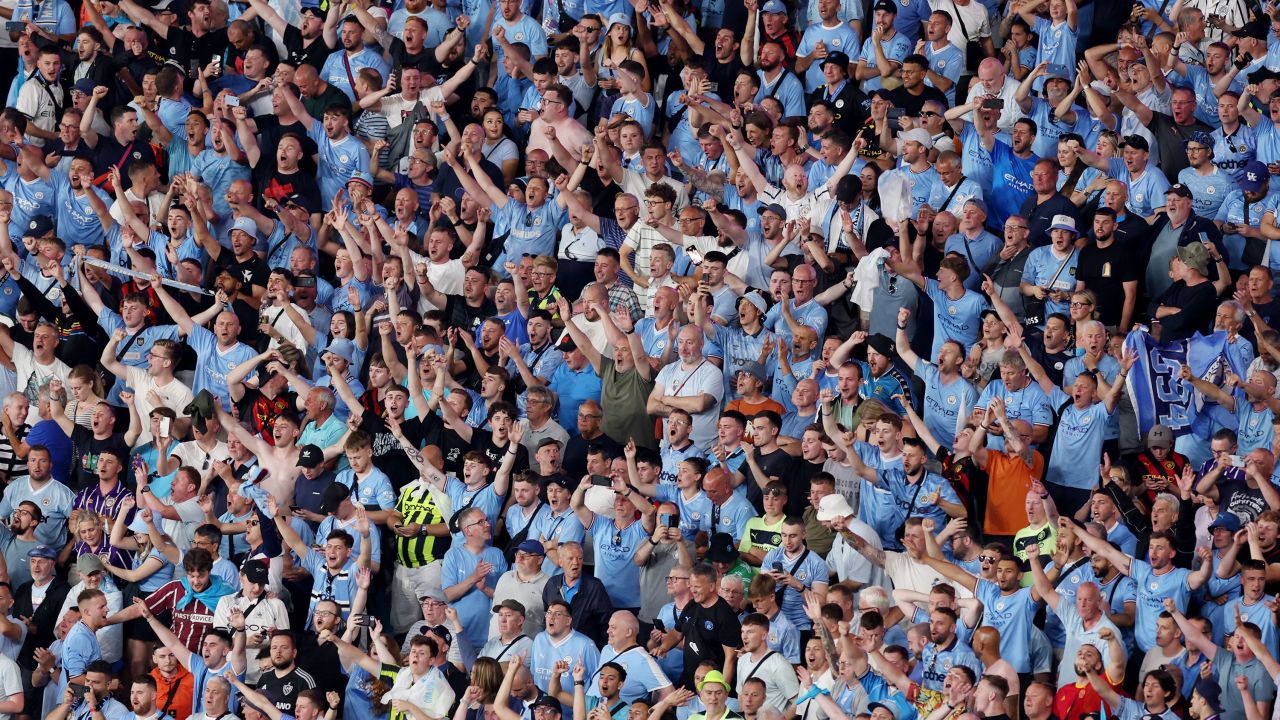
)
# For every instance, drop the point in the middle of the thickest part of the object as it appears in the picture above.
(556, 613)
(553, 101)
(986, 558)
(928, 114)
(677, 578)
(691, 219)
(429, 602)
(651, 203)
(252, 523)
(482, 521)
(157, 356)
(589, 416)
(325, 613)
(1080, 303)
(543, 273)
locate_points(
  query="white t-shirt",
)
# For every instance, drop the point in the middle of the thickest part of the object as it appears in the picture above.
(10, 681)
(31, 375)
(183, 529)
(173, 395)
(190, 453)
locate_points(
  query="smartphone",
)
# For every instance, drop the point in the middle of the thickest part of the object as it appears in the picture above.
(17, 27)
(362, 621)
(671, 520)
(380, 318)
(305, 281)
(165, 425)
(993, 104)
(601, 481)
(233, 101)
(295, 508)
(695, 256)
(895, 114)
(1236, 461)
(1059, 69)
(78, 689)
(659, 625)
(777, 566)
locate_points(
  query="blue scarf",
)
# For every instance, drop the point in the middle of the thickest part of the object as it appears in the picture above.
(218, 588)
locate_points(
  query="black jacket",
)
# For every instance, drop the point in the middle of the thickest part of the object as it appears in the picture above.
(45, 618)
(591, 605)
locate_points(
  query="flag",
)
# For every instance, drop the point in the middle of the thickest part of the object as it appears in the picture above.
(1159, 396)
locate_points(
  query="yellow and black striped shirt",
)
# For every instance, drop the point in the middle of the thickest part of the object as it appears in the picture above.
(418, 508)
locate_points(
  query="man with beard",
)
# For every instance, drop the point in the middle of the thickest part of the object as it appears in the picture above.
(707, 625)
(1106, 269)
(191, 46)
(341, 154)
(18, 539)
(285, 681)
(215, 658)
(304, 43)
(109, 150)
(341, 66)
(279, 174)
(948, 397)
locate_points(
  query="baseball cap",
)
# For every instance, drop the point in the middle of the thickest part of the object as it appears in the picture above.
(978, 203)
(754, 369)
(885, 5)
(333, 497)
(433, 594)
(441, 632)
(880, 344)
(42, 551)
(361, 177)
(1137, 142)
(721, 548)
(39, 226)
(888, 707)
(919, 135)
(310, 457)
(1180, 190)
(1159, 436)
(546, 701)
(255, 571)
(88, 564)
(1254, 177)
(618, 19)
(774, 6)
(774, 208)
(1226, 520)
(531, 546)
(1255, 29)
(84, 86)
(1211, 692)
(511, 604)
(848, 188)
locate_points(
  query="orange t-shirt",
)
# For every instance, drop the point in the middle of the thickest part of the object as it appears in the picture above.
(1010, 479)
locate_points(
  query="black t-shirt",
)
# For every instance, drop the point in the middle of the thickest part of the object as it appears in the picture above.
(285, 688)
(109, 152)
(252, 271)
(298, 52)
(466, 318)
(452, 446)
(1105, 271)
(707, 632)
(913, 104)
(775, 464)
(1197, 305)
(482, 440)
(84, 454)
(388, 455)
(309, 494)
(191, 52)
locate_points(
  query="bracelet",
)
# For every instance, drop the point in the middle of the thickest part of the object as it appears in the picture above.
(902, 327)
(579, 682)
(828, 414)
(653, 542)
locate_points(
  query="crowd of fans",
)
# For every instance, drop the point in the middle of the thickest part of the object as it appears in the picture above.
(637, 359)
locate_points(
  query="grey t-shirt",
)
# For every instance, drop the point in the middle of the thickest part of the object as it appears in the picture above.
(1226, 669)
(894, 293)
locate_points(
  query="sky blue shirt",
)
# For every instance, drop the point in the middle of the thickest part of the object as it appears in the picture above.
(615, 554)
(339, 160)
(1152, 591)
(959, 319)
(1146, 193)
(840, 38)
(55, 500)
(946, 406)
(213, 365)
(811, 569)
(1232, 153)
(1047, 270)
(787, 89)
(574, 648)
(339, 69)
(1028, 404)
(1208, 192)
(1077, 442)
(1013, 616)
(474, 606)
(947, 62)
(896, 50)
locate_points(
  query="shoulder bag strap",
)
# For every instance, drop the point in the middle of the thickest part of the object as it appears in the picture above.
(129, 343)
(767, 655)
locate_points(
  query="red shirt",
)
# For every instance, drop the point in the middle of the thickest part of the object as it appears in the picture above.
(191, 622)
(1074, 700)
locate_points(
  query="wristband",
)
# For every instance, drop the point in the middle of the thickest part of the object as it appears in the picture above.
(653, 542)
